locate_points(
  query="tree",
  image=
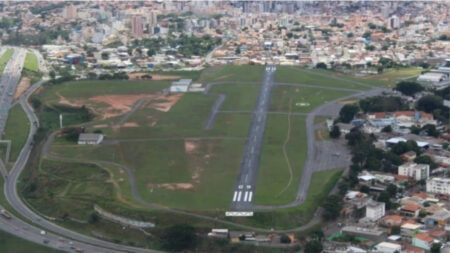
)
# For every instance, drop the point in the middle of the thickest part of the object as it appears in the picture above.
(436, 248)
(335, 132)
(93, 218)
(364, 189)
(395, 230)
(285, 239)
(392, 190)
(52, 74)
(105, 55)
(321, 65)
(332, 207)
(430, 130)
(408, 88)
(354, 137)
(387, 129)
(180, 237)
(313, 246)
(347, 113)
(429, 103)
(91, 75)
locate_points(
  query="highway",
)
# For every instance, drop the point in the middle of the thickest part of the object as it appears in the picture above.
(8, 83)
(246, 180)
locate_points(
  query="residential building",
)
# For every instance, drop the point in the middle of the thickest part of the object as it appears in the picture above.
(394, 22)
(392, 220)
(422, 240)
(375, 210)
(137, 26)
(408, 230)
(414, 170)
(388, 247)
(70, 12)
(438, 185)
(440, 218)
(90, 139)
(410, 210)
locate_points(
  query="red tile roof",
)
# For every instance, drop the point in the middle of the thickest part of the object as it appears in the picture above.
(411, 208)
(421, 195)
(424, 237)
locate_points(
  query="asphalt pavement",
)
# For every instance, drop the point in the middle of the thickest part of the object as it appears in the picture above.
(246, 180)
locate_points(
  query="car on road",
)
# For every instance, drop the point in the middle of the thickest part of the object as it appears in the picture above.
(43, 232)
(5, 214)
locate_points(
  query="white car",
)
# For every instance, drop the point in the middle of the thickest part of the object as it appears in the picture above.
(43, 232)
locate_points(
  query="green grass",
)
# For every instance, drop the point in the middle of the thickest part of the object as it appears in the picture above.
(12, 244)
(285, 98)
(16, 130)
(390, 77)
(210, 169)
(86, 89)
(273, 174)
(239, 96)
(243, 73)
(31, 62)
(5, 58)
(315, 77)
(321, 184)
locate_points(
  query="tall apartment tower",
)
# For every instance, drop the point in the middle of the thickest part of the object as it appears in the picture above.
(137, 26)
(70, 12)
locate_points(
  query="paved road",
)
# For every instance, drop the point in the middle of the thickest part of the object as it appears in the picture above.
(214, 110)
(8, 83)
(245, 183)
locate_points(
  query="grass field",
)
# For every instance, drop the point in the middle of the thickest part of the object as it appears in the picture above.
(239, 96)
(392, 76)
(243, 73)
(315, 77)
(5, 58)
(276, 185)
(31, 62)
(12, 244)
(301, 99)
(16, 130)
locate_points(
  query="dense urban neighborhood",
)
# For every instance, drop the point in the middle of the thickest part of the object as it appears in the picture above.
(225, 126)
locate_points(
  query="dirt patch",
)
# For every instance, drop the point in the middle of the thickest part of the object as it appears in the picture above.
(319, 135)
(131, 124)
(100, 126)
(165, 103)
(190, 146)
(119, 196)
(173, 186)
(22, 87)
(156, 77)
(65, 101)
(348, 102)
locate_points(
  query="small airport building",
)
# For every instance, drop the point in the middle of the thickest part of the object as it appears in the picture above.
(90, 139)
(181, 85)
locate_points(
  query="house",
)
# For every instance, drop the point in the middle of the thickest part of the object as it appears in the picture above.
(410, 210)
(407, 119)
(345, 128)
(440, 218)
(438, 185)
(181, 85)
(409, 156)
(414, 170)
(388, 247)
(90, 139)
(422, 240)
(408, 230)
(375, 210)
(412, 249)
(391, 220)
